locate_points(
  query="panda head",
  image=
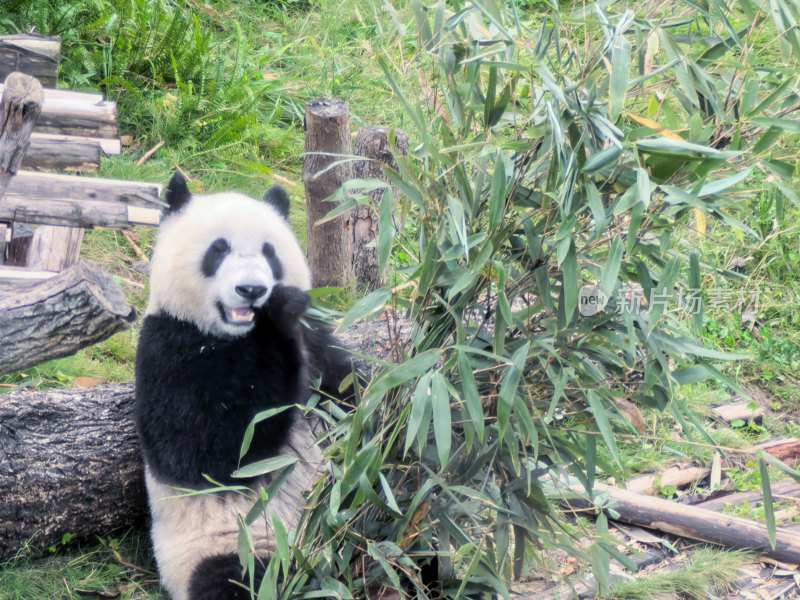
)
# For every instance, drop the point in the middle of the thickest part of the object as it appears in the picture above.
(218, 258)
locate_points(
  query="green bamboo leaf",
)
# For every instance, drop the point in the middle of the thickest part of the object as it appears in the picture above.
(769, 509)
(570, 282)
(608, 278)
(498, 198)
(420, 410)
(442, 420)
(469, 393)
(786, 125)
(695, 303)
(360, 467)
(684, 150)
(603, 424)
(340, 209)
(643, 186)
(262, 467)
(720, 185)
(600, 159)
(369, 304)
(385, 230)
(508, 389)
(620, 68)
(261, 416)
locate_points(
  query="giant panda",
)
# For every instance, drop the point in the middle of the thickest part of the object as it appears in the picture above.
(223, 339)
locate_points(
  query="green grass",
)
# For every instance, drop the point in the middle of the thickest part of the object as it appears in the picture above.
(116, 567)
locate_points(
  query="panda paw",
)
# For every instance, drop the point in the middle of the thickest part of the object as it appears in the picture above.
(287, 304)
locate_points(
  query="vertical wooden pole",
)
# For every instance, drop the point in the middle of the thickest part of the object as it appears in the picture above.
(20, 106)
(373, 144)
(327, 141)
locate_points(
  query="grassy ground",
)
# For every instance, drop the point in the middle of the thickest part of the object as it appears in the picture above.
(223, 84)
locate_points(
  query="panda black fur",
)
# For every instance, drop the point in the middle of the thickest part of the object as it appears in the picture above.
(222, 340)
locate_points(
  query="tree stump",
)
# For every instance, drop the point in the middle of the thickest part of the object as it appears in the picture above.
(373, 144)
(59, 316)
(327, 141)
(69, 464)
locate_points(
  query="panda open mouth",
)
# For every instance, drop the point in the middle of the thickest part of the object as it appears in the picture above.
(242, 315)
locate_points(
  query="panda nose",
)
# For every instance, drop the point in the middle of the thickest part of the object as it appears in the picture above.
(251, 292)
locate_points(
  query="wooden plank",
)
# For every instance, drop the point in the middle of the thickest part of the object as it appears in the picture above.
(693, 522)
(24, 274)
(20, 106)
(75, 213)
(54, 248)
(73, 187)
(675, 476)
(33, 55)
(77, 113)
(49, 152)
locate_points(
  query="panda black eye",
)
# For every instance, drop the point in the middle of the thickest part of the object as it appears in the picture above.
(268, 250)
(220, 246)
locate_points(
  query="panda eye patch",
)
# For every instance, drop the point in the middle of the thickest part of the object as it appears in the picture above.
(277, 269)
(214, 256)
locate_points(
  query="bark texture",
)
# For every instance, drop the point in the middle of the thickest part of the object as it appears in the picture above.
(59, 316)
(20, 107)
(373, 144)
(327, 141)
(69, 464)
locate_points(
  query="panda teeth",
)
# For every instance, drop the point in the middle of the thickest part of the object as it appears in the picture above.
(241, 315)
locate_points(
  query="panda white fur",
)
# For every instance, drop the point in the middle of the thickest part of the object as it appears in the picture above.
(222, 341)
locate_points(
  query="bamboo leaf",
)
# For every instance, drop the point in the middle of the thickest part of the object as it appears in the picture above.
(769, 510)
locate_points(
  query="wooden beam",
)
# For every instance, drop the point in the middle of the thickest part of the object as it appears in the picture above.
(33, 55)
(75, 213)
(73, 187)
(693, 522)
(77, 113)
(62, 153)
(24, 274)
(20, 106)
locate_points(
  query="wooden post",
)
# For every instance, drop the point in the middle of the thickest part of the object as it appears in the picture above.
(373, 144)
(327, 133)
(20, 107)
(32, 54)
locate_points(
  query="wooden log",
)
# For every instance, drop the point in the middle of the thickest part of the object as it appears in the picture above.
(51, 152)
(75, 213)
(373, 144)
(77, 113)
(694, 523)
(33, 55)
(17, 274)
(73, 187)
(69, 464)
(20, 107)
(59, 316)
(786, 450)
(675, 476)
(327, 141)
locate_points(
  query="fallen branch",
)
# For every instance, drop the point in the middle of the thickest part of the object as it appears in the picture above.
(692, 522)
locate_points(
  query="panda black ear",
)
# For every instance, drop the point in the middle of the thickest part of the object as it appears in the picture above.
(178, 194)
(279, 199)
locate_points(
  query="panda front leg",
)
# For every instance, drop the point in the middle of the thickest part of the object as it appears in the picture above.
(286, 305)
